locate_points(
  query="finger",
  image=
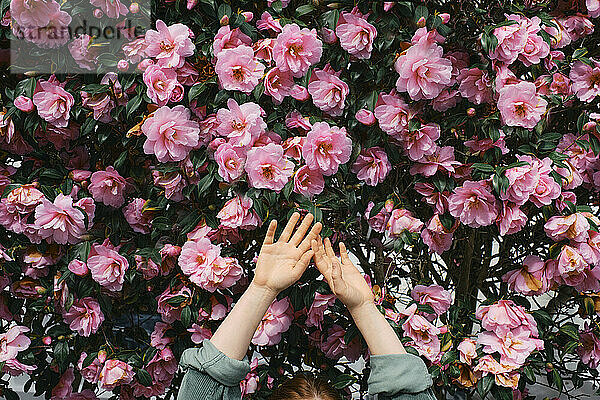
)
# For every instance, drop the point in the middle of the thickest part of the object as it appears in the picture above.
(328, 248)
(344, 255)
(312, 235)
(319, 254)
(301, 231)
(304, 260)
(270, 236)
(336, 275)
(289, 228)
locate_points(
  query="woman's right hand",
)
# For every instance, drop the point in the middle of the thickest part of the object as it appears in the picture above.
(344, 279)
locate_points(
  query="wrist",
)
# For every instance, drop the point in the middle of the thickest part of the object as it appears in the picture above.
(366, 307)
(262, 291)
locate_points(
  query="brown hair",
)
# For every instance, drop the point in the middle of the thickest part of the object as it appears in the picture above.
(305, 387)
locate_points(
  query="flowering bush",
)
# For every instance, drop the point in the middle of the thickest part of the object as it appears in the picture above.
(452, 145)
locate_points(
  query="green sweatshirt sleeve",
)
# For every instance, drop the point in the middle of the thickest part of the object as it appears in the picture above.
(210, 374)
(400, 377)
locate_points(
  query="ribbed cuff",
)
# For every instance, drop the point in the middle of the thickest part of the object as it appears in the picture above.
(398, 373)
(227, 371)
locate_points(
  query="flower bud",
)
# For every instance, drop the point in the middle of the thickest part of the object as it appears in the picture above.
(248, 15)
(445, 17)
(224, 20)
(98, 13)
(123, 65)
(471, 112)
(102, 356)
(421, 22)
(47, 340)
(134, 8)
(24, 103)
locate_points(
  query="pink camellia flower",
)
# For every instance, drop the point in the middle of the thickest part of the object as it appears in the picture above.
(197, 255)
(115, 373)
(162, 85)
(529, 279)
(520, 105)
(267, 22)
(277, 320)
(593, 8)
(162, 368)
(84, 316)
(393, 114)
(441, 159)
(267, 167)
(506, 375)
(199, 333)
(170, 313)
(590, 249)
(60, 221)
(92, 371)
(226, 38)
(238, 213)
(138, 218)
(535, 48)
(522, 180)
(589, 351)
(365, 117)
(111, 8)
(278, 84)
(328, 91)
(326, 148)
(547, 189)
(422, 332)
(447, 99)
(107, 266)
(432, 196)
(572, 266)
(64, 387)
(372, 166)
(170, 133)
(296, 120)
(504, 316)
(436, 236)
(356, 34)
(514, 345)
(169, 44)
(467, 351)
(292, 147)
(308, 182)
(237, 69)
(434, 295)
(78, 267)
(511, 40)
(475, 85)
(297, 49)
(230, 161)
(424, 73)
(53, 103)
(402, 220)
(108, 187)
(24, 103)
(318, 308)
(241, 124)
(334, 346)
(586, 80)
(474, 204)
(31, 13)
(420, 142)
(573, 227)
(511, 220)
(12, 342)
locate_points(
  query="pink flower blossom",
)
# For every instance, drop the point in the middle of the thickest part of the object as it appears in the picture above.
(115, 373)
(78, 267)
(24, 104)
(170, 133)
(447, 99)
(107, 266)
(422, 332)
(523, 180)
(441, 159)
(12, 342)
(84, 316)
(436, 236)
(572, 266)
(31, 13)
(535, 48)
(162, 85)
(434, 295)
(402, 220)
(226, 38)
(328, 91)
(238, 69)
(504, 316)
(424, 73)
(162, 368)
(112, 9)
(511, 220)
(53, 103)
(318, 307)
(504, 374)
(60, 221)
(199, 333)
(586, 80)
(278, 84)
(241, 124)
(326, 148)
(467, 351)
(238, 213)
(573, 227)
(108, 187)
(172, 312)
(297, 49)
(267, 167)
(589, 351)
(276, 321)
(475, 85)
(530, 279)
(138, 218)
(267, 22)
(514, 346)
(511, 40)
(169, 44)
(593, 8)
(365, 117)
(230, 161)
(334, 346)
(308, 182)
(474, 204)
(372, 166)
(519, 105)
(393, 114)
(356, 34)
(420, 142)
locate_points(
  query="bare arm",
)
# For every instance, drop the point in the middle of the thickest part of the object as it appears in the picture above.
(280, 264)
(347, 283)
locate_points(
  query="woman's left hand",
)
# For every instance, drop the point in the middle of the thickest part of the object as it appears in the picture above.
(283, 262)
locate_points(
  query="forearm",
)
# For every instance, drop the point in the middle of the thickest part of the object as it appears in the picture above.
(377, 332)
(235, 333)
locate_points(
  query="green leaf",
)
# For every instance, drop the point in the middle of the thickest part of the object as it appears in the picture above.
(143, 377)
(421, 12)
(196, 90)
(483, 168)
(304, 9)
(342, 381)
(133, 105)
(186, 316)
(61, 353)
(484, 385)
(570, 330)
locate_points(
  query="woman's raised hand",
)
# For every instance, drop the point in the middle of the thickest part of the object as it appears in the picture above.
(344, 279)
(281, 263)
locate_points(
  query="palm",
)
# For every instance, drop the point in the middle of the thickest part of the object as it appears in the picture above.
(282, 263)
